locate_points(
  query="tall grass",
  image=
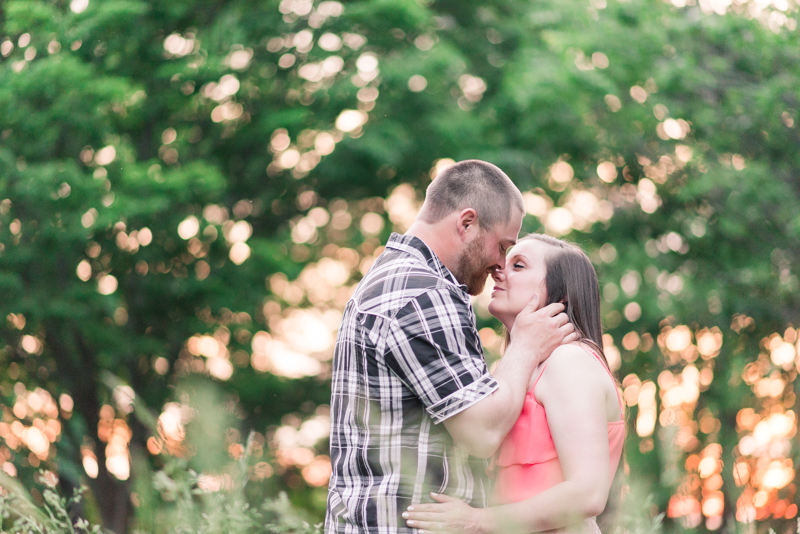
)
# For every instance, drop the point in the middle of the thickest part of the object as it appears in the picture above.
(190, 511)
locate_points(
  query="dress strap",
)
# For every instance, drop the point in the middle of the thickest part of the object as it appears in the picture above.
(605, 366)
(532, 390)
(544, 365)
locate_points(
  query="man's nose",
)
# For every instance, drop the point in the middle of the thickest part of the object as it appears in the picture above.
(501, 263)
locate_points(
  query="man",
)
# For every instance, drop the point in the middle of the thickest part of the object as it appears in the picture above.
(408, 357)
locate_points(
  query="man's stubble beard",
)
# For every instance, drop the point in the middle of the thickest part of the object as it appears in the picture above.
(472, 268)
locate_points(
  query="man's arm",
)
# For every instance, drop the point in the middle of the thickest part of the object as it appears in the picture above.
(536, 333)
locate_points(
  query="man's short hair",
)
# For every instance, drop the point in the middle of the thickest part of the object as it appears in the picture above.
(472, 184)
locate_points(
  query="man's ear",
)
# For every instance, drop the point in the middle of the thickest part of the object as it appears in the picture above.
(467, 223)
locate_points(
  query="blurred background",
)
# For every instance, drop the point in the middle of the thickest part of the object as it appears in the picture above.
(191, 189)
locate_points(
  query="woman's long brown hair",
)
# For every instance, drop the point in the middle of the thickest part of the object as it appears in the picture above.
(572, 280)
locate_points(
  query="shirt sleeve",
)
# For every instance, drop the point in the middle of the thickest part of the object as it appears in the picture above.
(434, 349)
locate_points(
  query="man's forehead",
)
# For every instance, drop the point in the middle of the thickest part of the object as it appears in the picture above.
(509, 240)
(505, 233)
(510, 231)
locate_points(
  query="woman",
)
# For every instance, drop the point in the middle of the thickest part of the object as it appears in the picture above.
(555, 467)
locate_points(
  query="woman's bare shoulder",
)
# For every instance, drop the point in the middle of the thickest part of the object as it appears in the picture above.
(571, 354)
(573, 363)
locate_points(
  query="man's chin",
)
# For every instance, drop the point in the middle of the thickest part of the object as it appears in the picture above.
(476, 288)
(474, 292)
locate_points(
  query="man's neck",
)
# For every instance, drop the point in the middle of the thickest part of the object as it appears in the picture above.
(436, 240)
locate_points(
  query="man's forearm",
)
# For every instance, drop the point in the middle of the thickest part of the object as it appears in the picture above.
(513, 374)
(481, 428)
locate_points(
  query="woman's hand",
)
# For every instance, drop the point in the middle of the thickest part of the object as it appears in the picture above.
(449, 515)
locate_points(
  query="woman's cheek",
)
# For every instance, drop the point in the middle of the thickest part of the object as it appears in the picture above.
(523, 297)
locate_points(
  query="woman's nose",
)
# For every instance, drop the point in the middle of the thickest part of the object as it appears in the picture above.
(498, 275)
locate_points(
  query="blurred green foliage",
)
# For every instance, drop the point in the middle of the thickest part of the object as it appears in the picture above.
(116, 116)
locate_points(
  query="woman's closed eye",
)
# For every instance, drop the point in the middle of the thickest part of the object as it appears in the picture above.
(518, 265)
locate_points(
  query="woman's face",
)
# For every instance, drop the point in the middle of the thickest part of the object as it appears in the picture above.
(522, 277)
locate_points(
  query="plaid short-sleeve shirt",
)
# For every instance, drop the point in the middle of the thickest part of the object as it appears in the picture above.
(407, 357)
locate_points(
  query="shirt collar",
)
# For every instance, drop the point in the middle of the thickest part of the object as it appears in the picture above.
(416, 247)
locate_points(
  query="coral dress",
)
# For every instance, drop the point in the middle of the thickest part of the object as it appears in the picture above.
(527, 462)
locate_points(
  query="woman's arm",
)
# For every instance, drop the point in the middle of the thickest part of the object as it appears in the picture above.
(573, 391)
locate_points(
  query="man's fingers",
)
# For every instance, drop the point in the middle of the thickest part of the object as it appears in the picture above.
(435, 508)
(566, 327)
(553, 309)
(561, 319)
(417, 508)
(438, 497)
(419, 516)
(570, 338)
(427, 526)
(569, 333)
(425, 522)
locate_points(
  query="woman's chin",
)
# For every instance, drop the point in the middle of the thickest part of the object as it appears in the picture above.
(496, 311)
